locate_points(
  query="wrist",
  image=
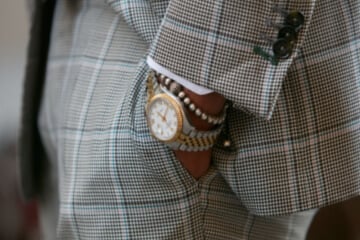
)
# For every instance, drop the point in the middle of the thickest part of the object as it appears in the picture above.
(205, 111)
(212, 103)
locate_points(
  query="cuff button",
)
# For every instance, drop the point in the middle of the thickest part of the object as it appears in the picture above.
(295, 19)
(282, 49)
(288, 33)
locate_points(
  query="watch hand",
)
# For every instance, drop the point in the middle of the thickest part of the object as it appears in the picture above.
(162, 117)
(169, 126)
(166, 111)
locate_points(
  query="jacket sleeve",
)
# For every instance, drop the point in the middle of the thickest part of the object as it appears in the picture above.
(232, 47)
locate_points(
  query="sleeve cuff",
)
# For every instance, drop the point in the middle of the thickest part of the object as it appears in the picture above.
(186, 83)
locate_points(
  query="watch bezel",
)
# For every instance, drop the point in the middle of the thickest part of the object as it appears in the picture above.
(179, 114)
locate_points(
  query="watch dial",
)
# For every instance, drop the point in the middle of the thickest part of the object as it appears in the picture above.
(163, 119)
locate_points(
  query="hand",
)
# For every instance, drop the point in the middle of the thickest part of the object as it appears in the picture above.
(198, 163)
(161, 116)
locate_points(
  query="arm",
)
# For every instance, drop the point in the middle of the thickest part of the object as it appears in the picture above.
(211, 43)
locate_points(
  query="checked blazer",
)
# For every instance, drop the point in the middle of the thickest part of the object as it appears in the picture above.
(294, 125)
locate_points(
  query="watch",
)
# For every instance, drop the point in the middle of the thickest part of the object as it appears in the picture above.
(169, 123)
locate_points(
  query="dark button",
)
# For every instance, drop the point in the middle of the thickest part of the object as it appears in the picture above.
(295, 19)
(288, 33)
(282, 48)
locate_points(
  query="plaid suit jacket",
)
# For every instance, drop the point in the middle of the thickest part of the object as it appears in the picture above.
(295, 126)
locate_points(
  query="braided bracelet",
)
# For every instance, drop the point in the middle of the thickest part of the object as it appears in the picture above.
(176, 89)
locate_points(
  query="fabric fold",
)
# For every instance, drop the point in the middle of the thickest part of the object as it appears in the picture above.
(150, 11)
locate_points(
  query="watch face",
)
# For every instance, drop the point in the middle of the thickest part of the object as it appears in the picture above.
(164, 118)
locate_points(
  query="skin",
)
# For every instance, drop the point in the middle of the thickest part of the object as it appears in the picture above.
(198, 163)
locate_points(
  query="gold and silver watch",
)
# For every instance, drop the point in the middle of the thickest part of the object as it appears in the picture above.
(169, 123)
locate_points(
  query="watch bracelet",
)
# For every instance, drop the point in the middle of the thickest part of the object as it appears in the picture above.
(196, 143)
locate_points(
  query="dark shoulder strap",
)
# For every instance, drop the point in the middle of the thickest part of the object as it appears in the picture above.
(31, 156)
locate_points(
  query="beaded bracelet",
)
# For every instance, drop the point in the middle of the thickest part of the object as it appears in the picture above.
(176, 89)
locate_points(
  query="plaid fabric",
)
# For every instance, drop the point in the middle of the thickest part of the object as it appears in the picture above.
(308, 154)
(116, 182)
(215, 39)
